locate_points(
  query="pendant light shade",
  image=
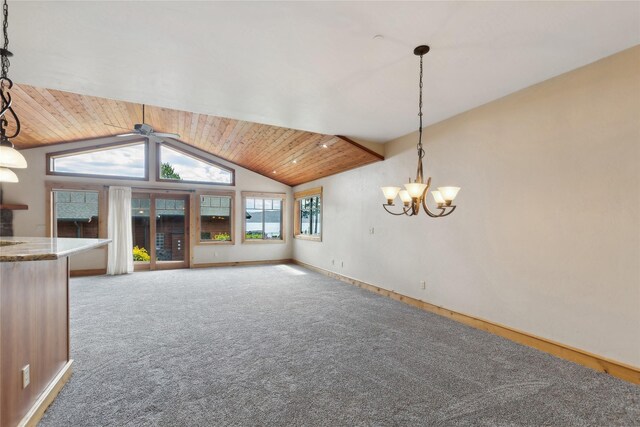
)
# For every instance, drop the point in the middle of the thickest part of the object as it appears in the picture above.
(405, 197)
(11, 158)
(7, 175)
(390, 193)
(415, 189)
(437, 196)
(449, 193)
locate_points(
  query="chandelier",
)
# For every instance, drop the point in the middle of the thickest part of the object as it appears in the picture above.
(9, 156)
(415, 193)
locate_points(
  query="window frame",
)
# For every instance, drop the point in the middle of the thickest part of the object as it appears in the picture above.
(263, 195)
(103, 201)
(297, 197)
(232, 217)
(195, 156)
(100, 147)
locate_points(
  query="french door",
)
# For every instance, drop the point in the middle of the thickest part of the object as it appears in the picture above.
(160, 227)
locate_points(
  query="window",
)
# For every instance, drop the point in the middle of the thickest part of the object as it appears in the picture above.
(215, 221)
(174, 164)
(263, 220)
(308, 214)
(76, 211)
(122, 161)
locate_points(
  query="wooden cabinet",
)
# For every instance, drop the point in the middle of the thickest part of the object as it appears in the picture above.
(34, 331)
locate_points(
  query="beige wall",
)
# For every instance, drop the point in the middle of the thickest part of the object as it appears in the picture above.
(31, 191)
(546, 238)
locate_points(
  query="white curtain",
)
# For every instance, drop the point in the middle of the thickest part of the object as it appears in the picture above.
(120, 260)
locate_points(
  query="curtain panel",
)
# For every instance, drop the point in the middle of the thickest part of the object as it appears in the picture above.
(120, 258)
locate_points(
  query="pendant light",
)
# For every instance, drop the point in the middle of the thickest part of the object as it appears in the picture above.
(7, 175)
(415, 193)
(9, 156)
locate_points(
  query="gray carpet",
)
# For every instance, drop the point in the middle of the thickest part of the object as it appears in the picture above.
(280, 345)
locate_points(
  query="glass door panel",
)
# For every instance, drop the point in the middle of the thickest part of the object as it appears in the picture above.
(160, 231)
(170, 228)
(141, 229)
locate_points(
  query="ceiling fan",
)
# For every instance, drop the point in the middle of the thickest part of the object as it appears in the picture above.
(145, 130)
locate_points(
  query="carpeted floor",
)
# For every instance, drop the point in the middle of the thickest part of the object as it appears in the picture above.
(280, 345)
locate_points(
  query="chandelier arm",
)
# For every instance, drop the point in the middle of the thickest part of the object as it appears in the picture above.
(6, 83)
(442, 210)
(427, 210)
(5, 99)
(453, 208)
(426, 207)
(17, 124)
(415, 208)
(404, 211)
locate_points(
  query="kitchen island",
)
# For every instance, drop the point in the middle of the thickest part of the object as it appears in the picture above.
(34, 323)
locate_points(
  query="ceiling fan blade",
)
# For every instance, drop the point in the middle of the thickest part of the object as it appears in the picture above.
(166, 135)
(127, 134)
(114, 126)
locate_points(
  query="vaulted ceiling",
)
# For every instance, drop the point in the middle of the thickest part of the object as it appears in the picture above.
(286, 155)
(312, 65)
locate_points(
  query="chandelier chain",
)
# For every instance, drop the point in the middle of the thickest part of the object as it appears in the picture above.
(5, 31)
(420, 149)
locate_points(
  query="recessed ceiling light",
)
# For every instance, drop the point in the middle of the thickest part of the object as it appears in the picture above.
(378, 37)
(295, 161)
(325, 146)
(274, 171)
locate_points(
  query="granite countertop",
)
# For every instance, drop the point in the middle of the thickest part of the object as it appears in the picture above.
(43, 248)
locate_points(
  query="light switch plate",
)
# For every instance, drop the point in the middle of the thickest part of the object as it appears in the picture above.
(26, 376)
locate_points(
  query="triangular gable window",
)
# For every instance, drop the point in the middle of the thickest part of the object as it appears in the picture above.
(178, 165)
(126, 161)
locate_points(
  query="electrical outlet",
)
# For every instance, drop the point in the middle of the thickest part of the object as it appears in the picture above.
(423, 284)
(372, 230)
(342, 263)
(26, 376)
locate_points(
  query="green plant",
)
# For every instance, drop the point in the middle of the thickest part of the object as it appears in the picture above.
(222, 236)
(253, 235)
(140, 254)
(167, 172)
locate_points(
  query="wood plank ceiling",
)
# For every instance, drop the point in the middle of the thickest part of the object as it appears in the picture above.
(52, 116)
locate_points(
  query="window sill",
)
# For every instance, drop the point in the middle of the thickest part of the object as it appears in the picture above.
(213, 242)
(305, 237)
(261, 241)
